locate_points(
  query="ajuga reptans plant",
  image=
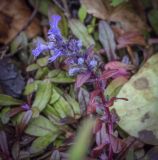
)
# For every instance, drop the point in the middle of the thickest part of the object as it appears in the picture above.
(85, 66)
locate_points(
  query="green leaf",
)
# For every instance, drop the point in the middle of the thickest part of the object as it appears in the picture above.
(43, 61)
(54, 97)
(62, 77)
(115, 3)
(91, 26)
(6, 100)
(138, 115)
(74, 105)
(4, 115)
(63, 108)
(43, 95)
(41, 73)
(82, 13)
(31, 87)
(42, 5)
(153, 18)
(51, 113)
(80, 148)
(41, 126)
(40, 144)
(80, 31)
(53, 73)
(32, 67)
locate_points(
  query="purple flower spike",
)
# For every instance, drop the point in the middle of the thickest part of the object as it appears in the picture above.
(80, 60)
(57, 53)
(39, 49)
(93, 63)
(79, 44)
(54, 25)
(73, 71)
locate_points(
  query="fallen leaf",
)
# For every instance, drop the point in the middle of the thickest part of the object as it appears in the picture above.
(128, 19)
(130, 38)
(153, 18)
(118, 65)
(16, 14)
(11, 79)
(138, 115)
(106, 37)
(43, 6)
(96, 8)
(117, 2)
(114, 86)
(4, 26)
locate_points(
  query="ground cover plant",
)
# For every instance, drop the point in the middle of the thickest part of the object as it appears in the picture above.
(78, 80)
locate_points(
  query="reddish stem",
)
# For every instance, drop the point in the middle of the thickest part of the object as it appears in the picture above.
(110, 124)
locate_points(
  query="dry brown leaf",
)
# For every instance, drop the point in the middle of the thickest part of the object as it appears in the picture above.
(130, 38)
(129, 20)
(15, 15)
(4, 25)
(124, 14)
(97, 8)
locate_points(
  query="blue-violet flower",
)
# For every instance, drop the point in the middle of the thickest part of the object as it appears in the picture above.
(71, 49)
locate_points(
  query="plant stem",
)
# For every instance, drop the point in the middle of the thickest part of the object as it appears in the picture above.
(110, 124)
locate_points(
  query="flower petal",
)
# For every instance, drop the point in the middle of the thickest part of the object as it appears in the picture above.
(54, 25)
(57, 53)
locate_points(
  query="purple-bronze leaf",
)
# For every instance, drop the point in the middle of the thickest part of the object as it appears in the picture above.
(4, 143)
(81, 79)
(25, 120)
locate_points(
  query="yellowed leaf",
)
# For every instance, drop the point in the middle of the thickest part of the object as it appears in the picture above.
(138, 115)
